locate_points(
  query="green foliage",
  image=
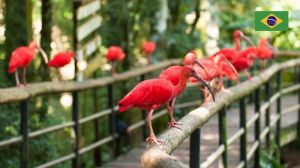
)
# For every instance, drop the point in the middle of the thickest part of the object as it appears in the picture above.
(269, 161)
(270, 158)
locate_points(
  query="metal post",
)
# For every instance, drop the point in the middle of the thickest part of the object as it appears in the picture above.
(257, 127)
(112, 119)
(278, 109)
(76, 4)
(195, 149)
(97, 151)
(267, 117)
(223, 135)
(243, 124)
(24, 133)
(298, 82)
(144, 116)
(75, 118)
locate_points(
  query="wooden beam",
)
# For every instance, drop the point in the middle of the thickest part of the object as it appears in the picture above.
(90, 47)
(88, 9)
(16, 94)
(88, 27)
(289, 53)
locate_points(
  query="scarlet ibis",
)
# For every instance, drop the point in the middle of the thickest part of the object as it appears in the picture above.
(209, 71)
(245, 60)
(171, 74)
(231, 53)
(61, 59)
(264, 52)
(148, 48)
(225, 69)
(21, 57)
(153, 93)
(217, 66)
(114, 54)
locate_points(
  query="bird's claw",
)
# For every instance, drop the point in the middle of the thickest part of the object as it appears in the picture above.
(172, 124)
(153, 140)
(226, 91)
(21, 85)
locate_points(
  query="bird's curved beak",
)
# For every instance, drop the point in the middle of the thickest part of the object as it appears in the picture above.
(206, 85)
(44, 55)
(231, 66)
(201, 65)
(248, 40)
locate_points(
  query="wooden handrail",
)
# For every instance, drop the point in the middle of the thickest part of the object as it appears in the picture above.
(16, 94)
(290, 53)
(199, 116)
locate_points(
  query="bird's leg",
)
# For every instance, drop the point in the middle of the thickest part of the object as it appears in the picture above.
(113, 68)
(248, 74)
(60, 78)
(220, 83)
(24, 76)
(17, 78)
(263, 64)
(206, 96)
(172, 122)
(221, 87)
(149, 59)
(152, 138)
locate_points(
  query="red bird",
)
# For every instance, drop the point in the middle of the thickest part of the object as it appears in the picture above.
(21, 57)
(114, 54)
(225, 69)
(61, 59)
(231, 53)
(148, 48)
(264, 52)
(245, 60)
(153, 93)
(171, 74)
(209, 71)
(216, 66)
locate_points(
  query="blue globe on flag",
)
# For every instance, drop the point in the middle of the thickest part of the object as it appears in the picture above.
(271, 20)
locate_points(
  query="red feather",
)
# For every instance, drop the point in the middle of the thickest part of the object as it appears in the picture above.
(149, 94)
(61, 59)
(21, 58)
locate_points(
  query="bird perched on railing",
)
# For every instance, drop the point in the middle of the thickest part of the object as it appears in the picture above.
(231, 53)
(264, 52)
(114, 54)
(245, 60)
(21, 57)
(171, 74)
(61, 59)
(226, 69)
(148, 49)
(153, 93)
(214, 67)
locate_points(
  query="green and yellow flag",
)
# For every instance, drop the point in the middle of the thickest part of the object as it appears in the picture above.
(271, 20)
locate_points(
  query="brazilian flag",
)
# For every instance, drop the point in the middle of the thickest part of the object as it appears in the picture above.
(271, 20)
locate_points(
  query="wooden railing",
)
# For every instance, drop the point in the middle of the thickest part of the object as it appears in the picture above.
(196, 119)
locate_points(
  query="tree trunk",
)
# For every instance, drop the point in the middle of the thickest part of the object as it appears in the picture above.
(197, 13)
(18, 27)
(46, 25)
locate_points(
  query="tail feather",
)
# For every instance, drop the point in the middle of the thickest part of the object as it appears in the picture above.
(123, 108)
(12, 69)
